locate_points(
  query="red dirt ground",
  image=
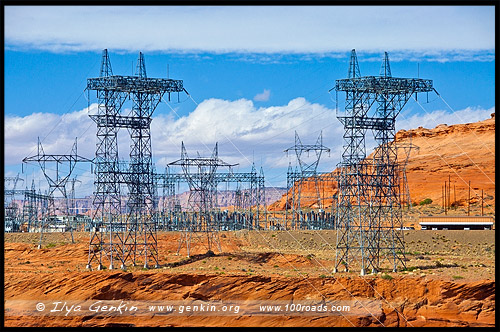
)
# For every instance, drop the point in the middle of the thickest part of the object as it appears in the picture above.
(260, 266)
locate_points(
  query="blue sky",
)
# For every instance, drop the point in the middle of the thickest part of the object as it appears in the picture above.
(255, 75)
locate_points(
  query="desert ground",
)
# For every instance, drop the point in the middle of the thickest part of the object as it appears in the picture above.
(448, 281)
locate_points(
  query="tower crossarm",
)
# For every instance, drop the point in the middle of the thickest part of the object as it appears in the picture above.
(308, 147)
(59, 158)
(365, 122)
(118, 121)
(238, 177)
(135, 84)
(384, 85)
(218, 177)
(201, 162)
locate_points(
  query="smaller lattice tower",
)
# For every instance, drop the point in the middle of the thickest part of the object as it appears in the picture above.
(200, 173)
(57, 180)
(304, 178)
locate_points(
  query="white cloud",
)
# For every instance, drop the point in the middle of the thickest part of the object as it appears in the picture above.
(268, 29)
(245, 134)
(263, 96)
(56, 132)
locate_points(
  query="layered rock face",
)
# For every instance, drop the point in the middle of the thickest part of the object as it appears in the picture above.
(456, 153)
(404, 301)
(460, 153)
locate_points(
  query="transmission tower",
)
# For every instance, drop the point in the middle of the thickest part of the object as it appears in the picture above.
(11, 208)
(200, 174)
(301, 180)
(369, 202)
(57, 180)
(116, 237)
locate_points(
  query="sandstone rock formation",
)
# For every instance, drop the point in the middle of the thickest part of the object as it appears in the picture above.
(459, 153)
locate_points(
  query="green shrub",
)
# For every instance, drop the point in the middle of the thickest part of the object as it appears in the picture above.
(386, 276)
(426, 201)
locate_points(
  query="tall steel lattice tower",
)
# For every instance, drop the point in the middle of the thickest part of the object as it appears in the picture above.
(131, 236)
(369, 215)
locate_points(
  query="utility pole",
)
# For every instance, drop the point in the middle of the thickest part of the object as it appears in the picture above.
(442, 197)
(445, 199)
(449, 192)
(468, 202)
(482, 202)
(455, 195)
